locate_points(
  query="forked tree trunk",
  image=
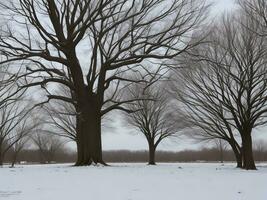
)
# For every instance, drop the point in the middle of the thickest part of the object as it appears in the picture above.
(248, 159)
(152, 151)
(88, 128)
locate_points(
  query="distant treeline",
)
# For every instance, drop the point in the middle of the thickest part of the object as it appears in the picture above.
(209, 155)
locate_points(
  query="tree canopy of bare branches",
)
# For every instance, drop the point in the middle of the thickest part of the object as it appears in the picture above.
(152, 115)
(16, 124)
(61, 116)
(89, 45)
(48, 145)
(225, 85)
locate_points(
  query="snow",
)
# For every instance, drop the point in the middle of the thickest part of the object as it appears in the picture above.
(184, 181)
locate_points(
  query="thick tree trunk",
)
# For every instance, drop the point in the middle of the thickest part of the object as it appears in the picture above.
(79, 143)
(238, 160)
(248, 159)
(94, 133)
(89, 146)
(152, 151)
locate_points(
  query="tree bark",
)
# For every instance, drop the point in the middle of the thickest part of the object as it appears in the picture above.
(238, 160)
(152, 151)
(238, 155)
(248, 159)
(89, 144)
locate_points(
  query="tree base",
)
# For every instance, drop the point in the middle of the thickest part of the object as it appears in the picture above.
(89, 163)
(250, 167)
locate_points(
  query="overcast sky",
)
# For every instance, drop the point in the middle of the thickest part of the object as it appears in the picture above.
(123, 137)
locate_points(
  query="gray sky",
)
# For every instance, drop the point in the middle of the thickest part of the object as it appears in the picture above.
(123, 137)
(221, 5)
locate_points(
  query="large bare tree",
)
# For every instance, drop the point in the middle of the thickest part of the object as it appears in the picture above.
(225, 90)
(88, 45)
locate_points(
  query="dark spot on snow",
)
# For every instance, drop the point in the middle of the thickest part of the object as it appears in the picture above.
(9, 193)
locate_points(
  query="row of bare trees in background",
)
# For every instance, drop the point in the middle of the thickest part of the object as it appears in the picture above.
(162, 63)
(212, 154)
(20, 123)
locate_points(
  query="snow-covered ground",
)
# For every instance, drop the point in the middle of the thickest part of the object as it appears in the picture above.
(181, 181)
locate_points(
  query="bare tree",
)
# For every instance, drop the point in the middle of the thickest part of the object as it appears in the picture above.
(16, 124)
(18, 147)
(226, 87)
(221, 146)
(117, 36)
(10, 97)
(260, 149)
(48, 145)
(152, 116)
(256, 10)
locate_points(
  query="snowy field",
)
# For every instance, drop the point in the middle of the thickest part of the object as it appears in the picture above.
(181, 181)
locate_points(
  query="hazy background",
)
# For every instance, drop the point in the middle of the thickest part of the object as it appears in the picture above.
(117, 135)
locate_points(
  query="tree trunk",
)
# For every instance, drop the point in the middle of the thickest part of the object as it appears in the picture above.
(1, 154)
(238, 155)
(152, 151)
(248, 161)
(1, 159)
(89, 146)
(14, 159)
(238, 160)
(79, 143)
(221, 155)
